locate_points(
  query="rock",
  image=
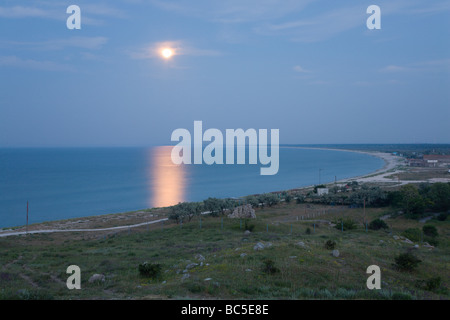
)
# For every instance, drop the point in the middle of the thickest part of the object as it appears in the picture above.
(185, 271)
(292, 257)
(243, 212)
(199, 257)
(301, 244)
(247, 232)
(408, 241)
(259, 246)
(416, 246)
(248, 270)
(243, 255)
(396, 237)
(97, 278)
(335, 253)
(208, 279)
(185, 276)
(191, 265)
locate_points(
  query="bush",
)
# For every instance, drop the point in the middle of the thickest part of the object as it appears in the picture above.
(330, 245)
(442, 216)
(406, 262)
(401, 296)
(308, 230)
(249, 227)
(430, 231)
(346, 224)
(431, 284)
(269, 267)
(300, 198)
(412, 234)
(378, 224)
(150, 270)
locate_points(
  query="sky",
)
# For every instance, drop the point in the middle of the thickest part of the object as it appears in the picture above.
(310, 68)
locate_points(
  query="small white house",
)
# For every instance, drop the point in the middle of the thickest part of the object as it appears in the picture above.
(322, 191)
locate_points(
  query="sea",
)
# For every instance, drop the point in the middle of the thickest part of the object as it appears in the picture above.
(63, 183)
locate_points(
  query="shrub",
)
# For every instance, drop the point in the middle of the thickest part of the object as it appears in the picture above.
(330, 245)
(269, 267)
(412, 234)
(300, 198)
(442, 216)
(378, 224)
(150, 270)
(248, 227)
(430, 231)
(287, 197)
(401, 296)
(431, 284)
(308, 230)
(346, 224)
(406, 262)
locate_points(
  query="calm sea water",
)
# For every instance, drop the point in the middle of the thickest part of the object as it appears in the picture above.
(69, 183)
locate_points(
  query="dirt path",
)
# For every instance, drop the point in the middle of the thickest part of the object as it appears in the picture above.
(7, 234)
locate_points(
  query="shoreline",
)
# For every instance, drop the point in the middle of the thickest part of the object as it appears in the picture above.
(390, 160)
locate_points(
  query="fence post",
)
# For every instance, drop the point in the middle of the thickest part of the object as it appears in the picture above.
(314, 228)
(221, 223)
(200, 222)
(267, 228)
(342, 226)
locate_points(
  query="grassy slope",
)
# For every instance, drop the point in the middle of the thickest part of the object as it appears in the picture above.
(34, 266)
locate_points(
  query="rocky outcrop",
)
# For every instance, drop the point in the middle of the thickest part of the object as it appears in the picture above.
(243, 212)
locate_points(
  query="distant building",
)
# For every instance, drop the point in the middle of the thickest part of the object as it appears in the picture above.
(322, 191)
(417, 163)
(436, 160)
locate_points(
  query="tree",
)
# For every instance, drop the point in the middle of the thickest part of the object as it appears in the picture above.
(439, 194)
(185, 211)
(412, 202)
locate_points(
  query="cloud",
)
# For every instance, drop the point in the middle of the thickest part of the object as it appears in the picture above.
(24, 12)
(233, 11)
(89, 43)
(394, 68)
(16, 62)
(179, 47)
(299, 69)
(423, 66)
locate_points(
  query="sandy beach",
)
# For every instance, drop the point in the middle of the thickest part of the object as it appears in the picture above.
(122, 221)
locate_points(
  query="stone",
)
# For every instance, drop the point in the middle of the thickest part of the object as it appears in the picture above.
(199, 257)
(259, 246)
(335, 253)
(408, 241)
(248, 270)
(243, 255)
(396, 237)
(301, 244)
(97, 278)
(208, 279)
(247, 232)
(191, 265)
(243, 212)
(185, 276)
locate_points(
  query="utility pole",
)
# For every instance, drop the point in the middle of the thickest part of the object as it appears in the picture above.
(27, 217)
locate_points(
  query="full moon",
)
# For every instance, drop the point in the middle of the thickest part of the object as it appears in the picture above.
(167, 53)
